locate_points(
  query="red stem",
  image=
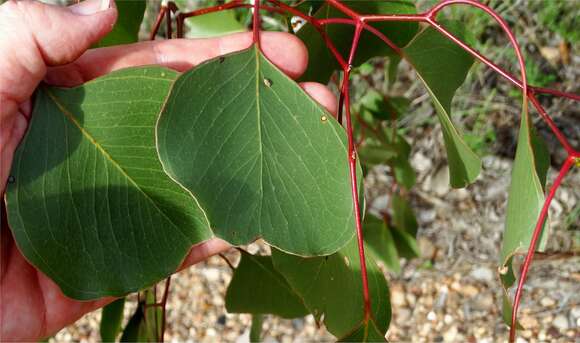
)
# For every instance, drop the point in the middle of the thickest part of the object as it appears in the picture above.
(352, 157)
(157, 24)
(534, 243)
(361, 22)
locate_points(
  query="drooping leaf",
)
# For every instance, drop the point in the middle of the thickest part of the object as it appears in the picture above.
(145, 325)
(323, 63)
(403, 215)
(135, 329)
(443, 66)
(213, 24)
(111, 320)
(263, 158)
(258, 288)
(91, 206)
(525, 200)
(126, 29)
(378, 237)
(331, 288)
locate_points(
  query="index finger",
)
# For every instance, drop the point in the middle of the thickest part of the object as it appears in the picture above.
(286, 51)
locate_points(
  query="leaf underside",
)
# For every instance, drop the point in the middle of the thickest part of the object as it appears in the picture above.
(262, 157)
(331, 288)
(525, 201)
(91, 206)
(258, 288)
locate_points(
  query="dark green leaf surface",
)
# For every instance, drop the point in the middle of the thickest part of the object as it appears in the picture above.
(331, 286)
(111, 320)
(258, 288)
(263, 158)
(525, 200)
(443, 66)
(322, 62)
(91, 206)
(126, 29)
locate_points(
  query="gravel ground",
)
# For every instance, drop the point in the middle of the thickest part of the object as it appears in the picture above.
(452, 292)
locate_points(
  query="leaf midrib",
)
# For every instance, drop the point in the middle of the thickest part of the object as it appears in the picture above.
(91, 139)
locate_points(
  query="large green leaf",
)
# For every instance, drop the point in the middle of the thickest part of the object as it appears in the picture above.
(443, 66)
(331, 287)
(91, 206)
(525, 201)
(111, 320)
(126, 29)
(322, 62)
(263, 158)
(258, 288)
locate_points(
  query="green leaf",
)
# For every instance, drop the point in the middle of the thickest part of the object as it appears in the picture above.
(263, 158)
(331, 287)
(126, 29)
(111, 320)
(403, 215)
(135, 329)
(258, 288)
(213, 24)
(322, 62)
(373, 155)
(384, 108)
(378, 238)
(91, 206)
(443, 66)
(144, 324)
(525, 199)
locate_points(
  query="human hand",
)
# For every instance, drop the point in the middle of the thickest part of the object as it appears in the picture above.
(42, 42)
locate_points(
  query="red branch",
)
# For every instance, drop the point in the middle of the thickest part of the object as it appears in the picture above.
(361, 22)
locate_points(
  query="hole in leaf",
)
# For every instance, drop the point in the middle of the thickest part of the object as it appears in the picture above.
(323, 119)
(222, 59)
(268, 82)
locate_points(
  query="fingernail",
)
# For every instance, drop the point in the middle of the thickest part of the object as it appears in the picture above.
(105, 4)
(89, 7)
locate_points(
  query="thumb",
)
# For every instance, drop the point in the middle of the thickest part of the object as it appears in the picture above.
(36, 35)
